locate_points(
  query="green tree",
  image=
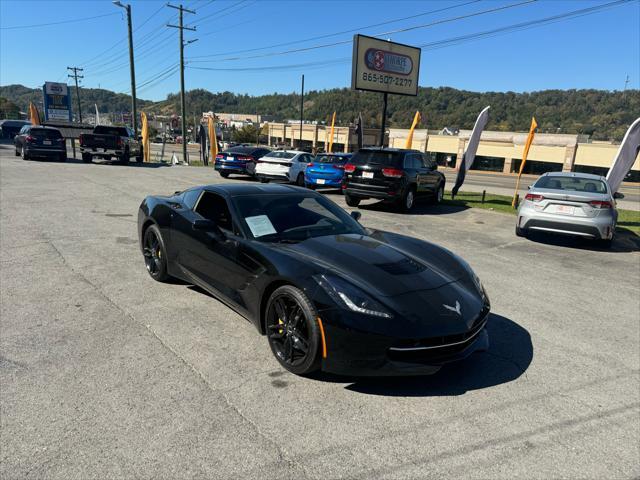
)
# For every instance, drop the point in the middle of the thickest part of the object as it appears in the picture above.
(246, 134)
(8, 109)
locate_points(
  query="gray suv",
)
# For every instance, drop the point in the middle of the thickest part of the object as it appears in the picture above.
(576, 204)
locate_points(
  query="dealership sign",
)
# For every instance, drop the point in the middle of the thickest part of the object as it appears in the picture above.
(57, 101)
(382, 66)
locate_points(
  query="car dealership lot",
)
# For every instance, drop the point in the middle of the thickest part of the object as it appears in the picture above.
(106, 373)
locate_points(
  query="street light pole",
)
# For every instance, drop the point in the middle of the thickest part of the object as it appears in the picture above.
(134, 118)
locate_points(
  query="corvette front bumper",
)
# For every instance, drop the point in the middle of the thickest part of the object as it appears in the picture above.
(350, 352)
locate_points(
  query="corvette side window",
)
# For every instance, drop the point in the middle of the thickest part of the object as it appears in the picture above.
(213, 207)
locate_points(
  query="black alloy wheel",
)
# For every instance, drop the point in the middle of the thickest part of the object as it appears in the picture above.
(155, 257)
(292, 330)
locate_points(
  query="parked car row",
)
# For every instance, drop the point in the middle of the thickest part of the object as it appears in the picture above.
(393, 175)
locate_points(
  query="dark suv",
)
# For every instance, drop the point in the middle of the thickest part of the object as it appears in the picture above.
(38, 141)
(393, 175)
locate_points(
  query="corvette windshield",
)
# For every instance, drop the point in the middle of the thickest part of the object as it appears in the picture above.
(293, 217)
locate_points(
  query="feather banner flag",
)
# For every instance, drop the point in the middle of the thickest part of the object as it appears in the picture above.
(34, 116)
(146, 144)
(213, 141)
(333, 121)
(470, 152)
(525, 154)
(625, 157)
(416, 120)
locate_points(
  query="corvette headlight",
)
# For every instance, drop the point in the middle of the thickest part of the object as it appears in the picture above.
(350, 297)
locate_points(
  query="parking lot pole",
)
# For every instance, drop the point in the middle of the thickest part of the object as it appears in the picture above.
(384, 118)
(301, 111)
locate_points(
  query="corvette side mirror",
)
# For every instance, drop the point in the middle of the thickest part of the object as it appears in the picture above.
(205, 225)
(618, 196)
(356, 215)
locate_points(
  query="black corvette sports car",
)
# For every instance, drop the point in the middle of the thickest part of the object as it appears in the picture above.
(328, 293)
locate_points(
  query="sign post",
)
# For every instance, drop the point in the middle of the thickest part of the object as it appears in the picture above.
(57, 101)
(386, 67)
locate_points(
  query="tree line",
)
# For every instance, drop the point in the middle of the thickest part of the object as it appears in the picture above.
(604, 115)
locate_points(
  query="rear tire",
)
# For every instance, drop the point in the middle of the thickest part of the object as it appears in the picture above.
(293, 332)
(24, 155)
(351, 201)
(310, 186)
(124, 159)
(86, 158)
(63, 157)
(223, 174)
(17, 152)
(408, 200)
(155, 254)
(300, 180)
(263, 180)
(605, 243)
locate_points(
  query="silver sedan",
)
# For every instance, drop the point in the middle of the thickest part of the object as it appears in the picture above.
(577, 204)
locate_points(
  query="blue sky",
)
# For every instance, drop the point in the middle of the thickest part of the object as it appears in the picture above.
(591, 51)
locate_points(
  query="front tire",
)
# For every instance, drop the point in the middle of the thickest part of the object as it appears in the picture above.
(155, 254)
(351, 201)
(292, 330)
(520, 232)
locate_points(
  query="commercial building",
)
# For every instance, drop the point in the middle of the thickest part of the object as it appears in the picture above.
(498, 151)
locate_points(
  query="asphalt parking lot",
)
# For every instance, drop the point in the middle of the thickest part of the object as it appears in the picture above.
(105, 373)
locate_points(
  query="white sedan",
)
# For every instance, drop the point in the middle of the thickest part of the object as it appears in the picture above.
(283, 165)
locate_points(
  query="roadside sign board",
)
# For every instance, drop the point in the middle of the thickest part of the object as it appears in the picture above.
(381, 66)
(57, 101)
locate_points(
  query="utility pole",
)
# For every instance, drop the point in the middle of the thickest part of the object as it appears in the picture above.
(181, 27)
(134, 113)
(301, 112)
(75, 76)
(626, 84)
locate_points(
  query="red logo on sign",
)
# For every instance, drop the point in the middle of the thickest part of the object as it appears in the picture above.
(378, 61)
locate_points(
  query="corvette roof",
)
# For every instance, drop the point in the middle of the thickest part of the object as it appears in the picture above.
(238, 189)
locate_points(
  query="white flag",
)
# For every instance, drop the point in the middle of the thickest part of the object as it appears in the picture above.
(472, 148)
(626, 156)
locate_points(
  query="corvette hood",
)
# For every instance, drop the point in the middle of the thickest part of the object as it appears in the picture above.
(380, 265)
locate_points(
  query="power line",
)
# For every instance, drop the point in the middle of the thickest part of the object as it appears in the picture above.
(84, 19)
(230, 13)
(400, 30)
(319, 37)
(215, 13)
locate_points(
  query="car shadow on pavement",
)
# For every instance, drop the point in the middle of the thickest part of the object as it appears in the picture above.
(420, 208)
(625, 241)
(510, 354)
(116, 163)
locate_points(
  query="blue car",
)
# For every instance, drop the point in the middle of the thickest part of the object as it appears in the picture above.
(239, 160)
(326, 170)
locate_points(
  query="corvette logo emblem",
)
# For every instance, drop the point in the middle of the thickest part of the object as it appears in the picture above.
(454, 309)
